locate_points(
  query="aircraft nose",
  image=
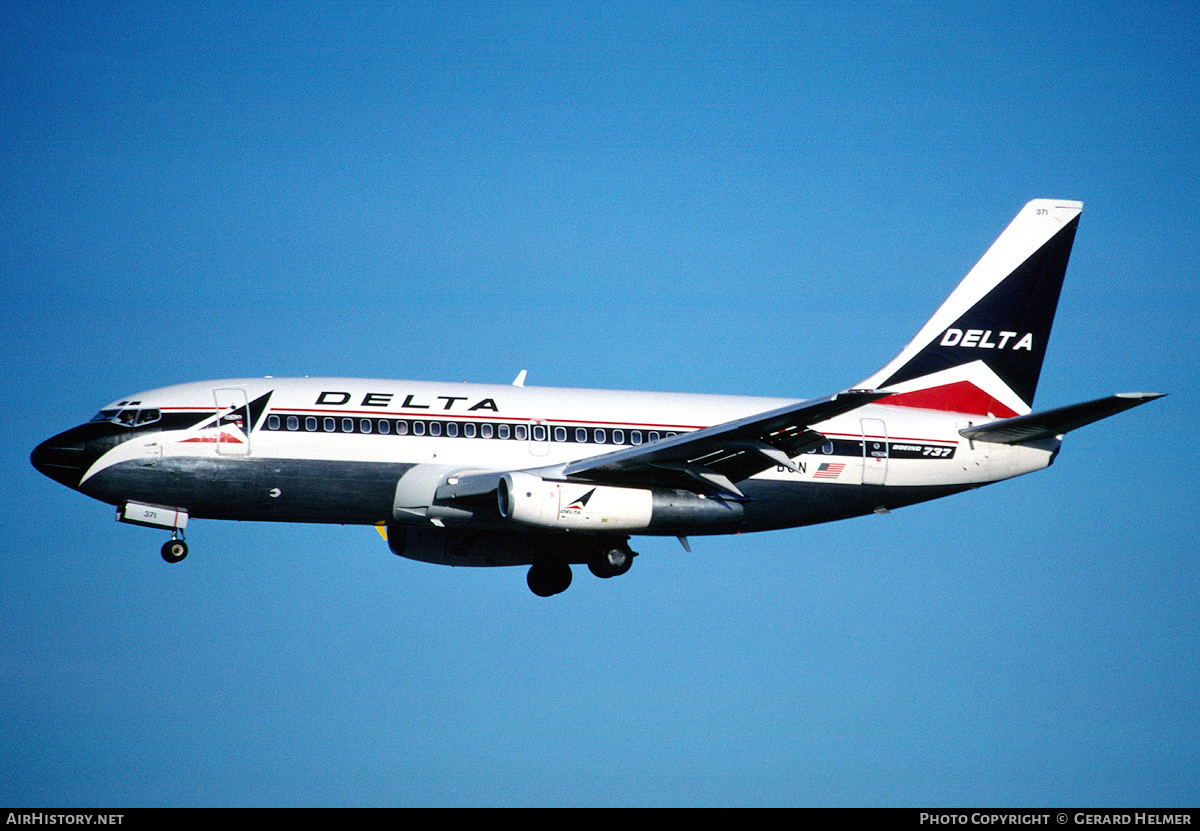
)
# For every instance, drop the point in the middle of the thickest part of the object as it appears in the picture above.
(62, 459)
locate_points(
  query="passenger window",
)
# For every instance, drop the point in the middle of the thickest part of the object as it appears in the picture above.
(539, 432)
(618, 436)
(485, 431)
(273, 422)
(435, 428)
(385, 426)
(330, 424)
(601, 437)
(635, 437)
(293, 423)
(827, 448)
(560, 433)
(418, 428)
(502, 431)
(519, 432)
(653, 435)
(310, 424)
(581, 434)
(451, 428)
(469, 430)
(364, 425)
(401, 428)
(347, 425)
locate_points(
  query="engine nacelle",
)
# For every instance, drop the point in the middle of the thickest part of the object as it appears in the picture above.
(531, 500)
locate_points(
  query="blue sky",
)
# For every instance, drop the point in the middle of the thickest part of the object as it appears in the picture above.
(740, 198)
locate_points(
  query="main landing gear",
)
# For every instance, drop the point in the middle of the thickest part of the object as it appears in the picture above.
(550, 573)
(175, 549)
(612, 561)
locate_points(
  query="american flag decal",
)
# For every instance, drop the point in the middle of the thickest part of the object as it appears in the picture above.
(829, 470)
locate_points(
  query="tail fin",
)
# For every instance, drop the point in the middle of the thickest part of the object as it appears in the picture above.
(982, 351)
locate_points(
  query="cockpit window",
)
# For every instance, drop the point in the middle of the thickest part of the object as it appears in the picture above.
(130, 417)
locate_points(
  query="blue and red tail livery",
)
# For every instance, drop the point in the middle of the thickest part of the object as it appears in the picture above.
(982, 351)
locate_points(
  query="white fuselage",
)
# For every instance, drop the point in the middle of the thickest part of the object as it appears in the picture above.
(333, 449)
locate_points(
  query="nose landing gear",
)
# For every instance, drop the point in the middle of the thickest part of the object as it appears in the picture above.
(159, 516)
(175, 549)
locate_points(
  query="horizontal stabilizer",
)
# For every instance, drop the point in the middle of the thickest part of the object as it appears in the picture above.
(1055, 422)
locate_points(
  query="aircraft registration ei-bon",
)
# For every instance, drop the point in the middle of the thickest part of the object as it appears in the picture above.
(495, 475)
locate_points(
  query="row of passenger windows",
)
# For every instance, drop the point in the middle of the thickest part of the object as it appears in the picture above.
(463, 429)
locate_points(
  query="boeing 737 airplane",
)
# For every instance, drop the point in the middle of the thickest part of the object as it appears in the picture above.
(494, 475)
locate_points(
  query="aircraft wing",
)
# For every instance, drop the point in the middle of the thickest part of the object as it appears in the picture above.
(712, 459)
(1051, 423)
(708, 461)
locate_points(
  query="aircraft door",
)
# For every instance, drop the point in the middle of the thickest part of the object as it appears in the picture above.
(233, 422)
(875, 451)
